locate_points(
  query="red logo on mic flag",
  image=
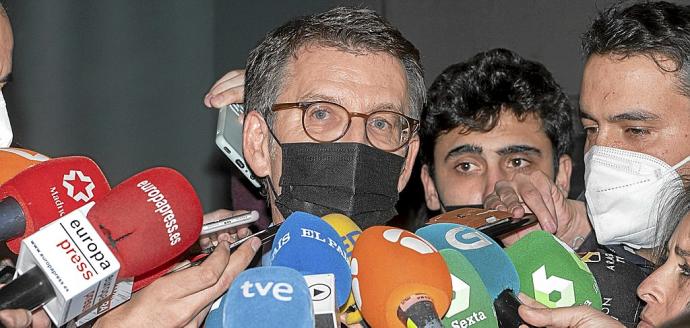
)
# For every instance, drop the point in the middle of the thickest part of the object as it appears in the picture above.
(79, 186)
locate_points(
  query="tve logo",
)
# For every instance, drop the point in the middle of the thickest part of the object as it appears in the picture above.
(280, 291)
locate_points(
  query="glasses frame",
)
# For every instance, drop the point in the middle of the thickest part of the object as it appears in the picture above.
(414, 124)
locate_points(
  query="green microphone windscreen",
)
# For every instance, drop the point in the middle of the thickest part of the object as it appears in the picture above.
(552, 273)
(471, 305)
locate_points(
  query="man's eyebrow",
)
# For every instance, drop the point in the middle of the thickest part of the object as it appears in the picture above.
(682, 252)
(463, 149)
(636, 115)
(312, 96)
(514, 149)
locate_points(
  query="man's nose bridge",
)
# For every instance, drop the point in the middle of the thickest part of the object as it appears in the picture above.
(357, 130)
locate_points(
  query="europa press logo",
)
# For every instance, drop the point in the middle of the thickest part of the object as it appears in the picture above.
(79, 186)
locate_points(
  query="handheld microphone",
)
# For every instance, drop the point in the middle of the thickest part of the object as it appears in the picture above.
(349, 232)
(471, 306)
(489, 260)
(145, 222)
(15, 160)
(399, 279)
(309, 245)
(45, 192)
(266, 297)
(551, 273)
(618, 281)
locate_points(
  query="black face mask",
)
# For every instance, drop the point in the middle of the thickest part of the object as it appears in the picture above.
(353, 179)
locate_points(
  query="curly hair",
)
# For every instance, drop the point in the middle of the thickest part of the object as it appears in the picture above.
(473, 94)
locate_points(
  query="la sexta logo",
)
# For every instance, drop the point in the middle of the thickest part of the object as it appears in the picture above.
(79, 186)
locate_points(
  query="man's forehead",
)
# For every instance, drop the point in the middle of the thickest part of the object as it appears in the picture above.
(336, 75)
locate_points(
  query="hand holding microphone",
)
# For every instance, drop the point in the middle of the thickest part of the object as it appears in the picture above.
(183, 298)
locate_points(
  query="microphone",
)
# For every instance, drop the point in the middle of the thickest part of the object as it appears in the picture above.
(71, 264)
(15, 160)
(309, 245)
(266, 297)
(489, 260)
(618, 281)
(471, 306)
(349, 232)
(47, 191)
(551, 273)
(399, 279)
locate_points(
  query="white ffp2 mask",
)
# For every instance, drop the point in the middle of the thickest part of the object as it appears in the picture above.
(621, 188)
(5, 127)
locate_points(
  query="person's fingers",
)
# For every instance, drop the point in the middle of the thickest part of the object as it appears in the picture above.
(200, 277)
(509, 197)
(541, 207)
(15, 318)
(230, 235)
(526, 300)
(238, 262)
(227, 90)
(232, 75)
(227, 97)
(40, 319)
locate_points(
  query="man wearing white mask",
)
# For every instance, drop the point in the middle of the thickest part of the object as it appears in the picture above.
(635, 109)
(6, 44)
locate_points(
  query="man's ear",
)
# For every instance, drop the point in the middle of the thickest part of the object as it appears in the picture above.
(430, 193)
(412, 149)
(565, 169)
(255, 137)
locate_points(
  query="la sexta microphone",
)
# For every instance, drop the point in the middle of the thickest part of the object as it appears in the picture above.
(489, 260)
(471, 306)
(47, 191)
(349, 232)
(15, 160)
(72, 264)
(551, 273)
(265, 297)
(618, 280)
(399, 279)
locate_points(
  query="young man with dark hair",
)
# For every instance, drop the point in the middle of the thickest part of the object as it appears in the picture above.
(487, 119)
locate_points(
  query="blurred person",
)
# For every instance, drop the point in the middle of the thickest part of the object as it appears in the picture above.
(487, 119)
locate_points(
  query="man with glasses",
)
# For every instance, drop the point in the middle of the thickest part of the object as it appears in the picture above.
(333, 101)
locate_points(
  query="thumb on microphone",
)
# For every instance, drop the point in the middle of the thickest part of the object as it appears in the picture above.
(582, 316)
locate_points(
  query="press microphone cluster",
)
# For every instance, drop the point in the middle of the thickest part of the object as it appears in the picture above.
(73, 253)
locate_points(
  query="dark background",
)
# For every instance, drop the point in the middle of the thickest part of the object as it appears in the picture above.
(122, 81)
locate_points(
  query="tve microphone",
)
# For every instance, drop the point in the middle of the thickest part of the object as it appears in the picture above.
(267, 297)
(618, 281)
(45, 192)
(551, 273)
(145, 222)
(399, 279)
(15, 160)
(490, 260)
(471, 306)
(349, 232)
(309, 245)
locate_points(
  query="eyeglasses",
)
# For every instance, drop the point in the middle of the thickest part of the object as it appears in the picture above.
(325, 121)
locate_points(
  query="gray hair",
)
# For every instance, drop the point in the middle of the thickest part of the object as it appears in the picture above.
(352, 30)
(673, 205)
